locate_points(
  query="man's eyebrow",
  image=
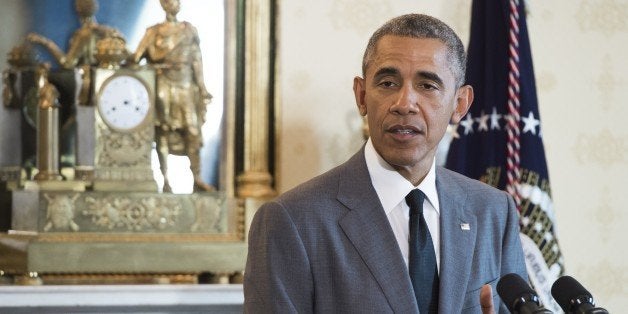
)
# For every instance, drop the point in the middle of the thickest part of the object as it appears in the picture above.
(385, 71)
(430, 76)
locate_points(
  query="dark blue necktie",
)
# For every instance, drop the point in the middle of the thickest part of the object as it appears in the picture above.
(422, 259)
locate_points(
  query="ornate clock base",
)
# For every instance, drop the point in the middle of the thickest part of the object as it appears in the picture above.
(68, 236)
(119, 259)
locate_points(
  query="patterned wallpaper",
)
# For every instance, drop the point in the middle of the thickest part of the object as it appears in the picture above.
(581, 67)
(586, 136)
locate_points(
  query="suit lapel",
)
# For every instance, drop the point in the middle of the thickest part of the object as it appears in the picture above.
(368, 229)
(457, 243)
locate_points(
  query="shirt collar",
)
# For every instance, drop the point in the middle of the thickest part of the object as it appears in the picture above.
(392, 187)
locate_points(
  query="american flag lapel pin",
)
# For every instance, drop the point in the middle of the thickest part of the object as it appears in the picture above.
(465, 226)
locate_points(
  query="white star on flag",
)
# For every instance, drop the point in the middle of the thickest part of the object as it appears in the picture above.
(467, 124)
(495, 119)
(530, 123)
(482, 121)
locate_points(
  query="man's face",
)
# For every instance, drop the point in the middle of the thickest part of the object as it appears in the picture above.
(409, 97)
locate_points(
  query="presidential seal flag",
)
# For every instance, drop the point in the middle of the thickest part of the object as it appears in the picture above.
(500, 142)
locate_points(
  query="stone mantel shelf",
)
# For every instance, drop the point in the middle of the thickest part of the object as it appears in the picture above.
(176, 298)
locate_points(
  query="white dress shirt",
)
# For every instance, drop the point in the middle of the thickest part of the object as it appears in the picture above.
(392, 188)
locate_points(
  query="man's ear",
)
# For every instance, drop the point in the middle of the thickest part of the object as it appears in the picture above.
(359, 92)
(464, 98)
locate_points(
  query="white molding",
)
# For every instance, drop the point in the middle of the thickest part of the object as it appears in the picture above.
(121, 295)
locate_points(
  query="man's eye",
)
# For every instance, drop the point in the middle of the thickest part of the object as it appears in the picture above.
(428, 86)
(387, 84)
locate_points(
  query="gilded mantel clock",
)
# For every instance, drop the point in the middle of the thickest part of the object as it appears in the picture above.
(119, 129)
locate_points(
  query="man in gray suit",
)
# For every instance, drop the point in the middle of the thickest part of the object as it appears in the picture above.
(339, 243)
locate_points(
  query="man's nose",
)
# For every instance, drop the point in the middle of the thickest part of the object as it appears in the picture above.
(407, 101)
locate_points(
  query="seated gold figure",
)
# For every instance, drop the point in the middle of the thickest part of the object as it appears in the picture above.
(81, 52)
(172, 48)
(82, 46)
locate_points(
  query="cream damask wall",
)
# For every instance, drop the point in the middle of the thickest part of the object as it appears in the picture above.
(579, 50)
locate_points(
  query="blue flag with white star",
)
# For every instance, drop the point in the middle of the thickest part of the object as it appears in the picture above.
(499, 68)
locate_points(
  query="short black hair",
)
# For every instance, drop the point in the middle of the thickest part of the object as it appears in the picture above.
(421, 26)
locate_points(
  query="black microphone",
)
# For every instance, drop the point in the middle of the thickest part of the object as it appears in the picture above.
(573, 297)
(518, 296)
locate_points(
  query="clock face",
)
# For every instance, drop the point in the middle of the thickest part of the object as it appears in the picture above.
(124, 102)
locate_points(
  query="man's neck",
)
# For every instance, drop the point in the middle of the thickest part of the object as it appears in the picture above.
(415, 174)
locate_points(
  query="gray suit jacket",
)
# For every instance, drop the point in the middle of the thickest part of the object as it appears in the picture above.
(327, 247)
